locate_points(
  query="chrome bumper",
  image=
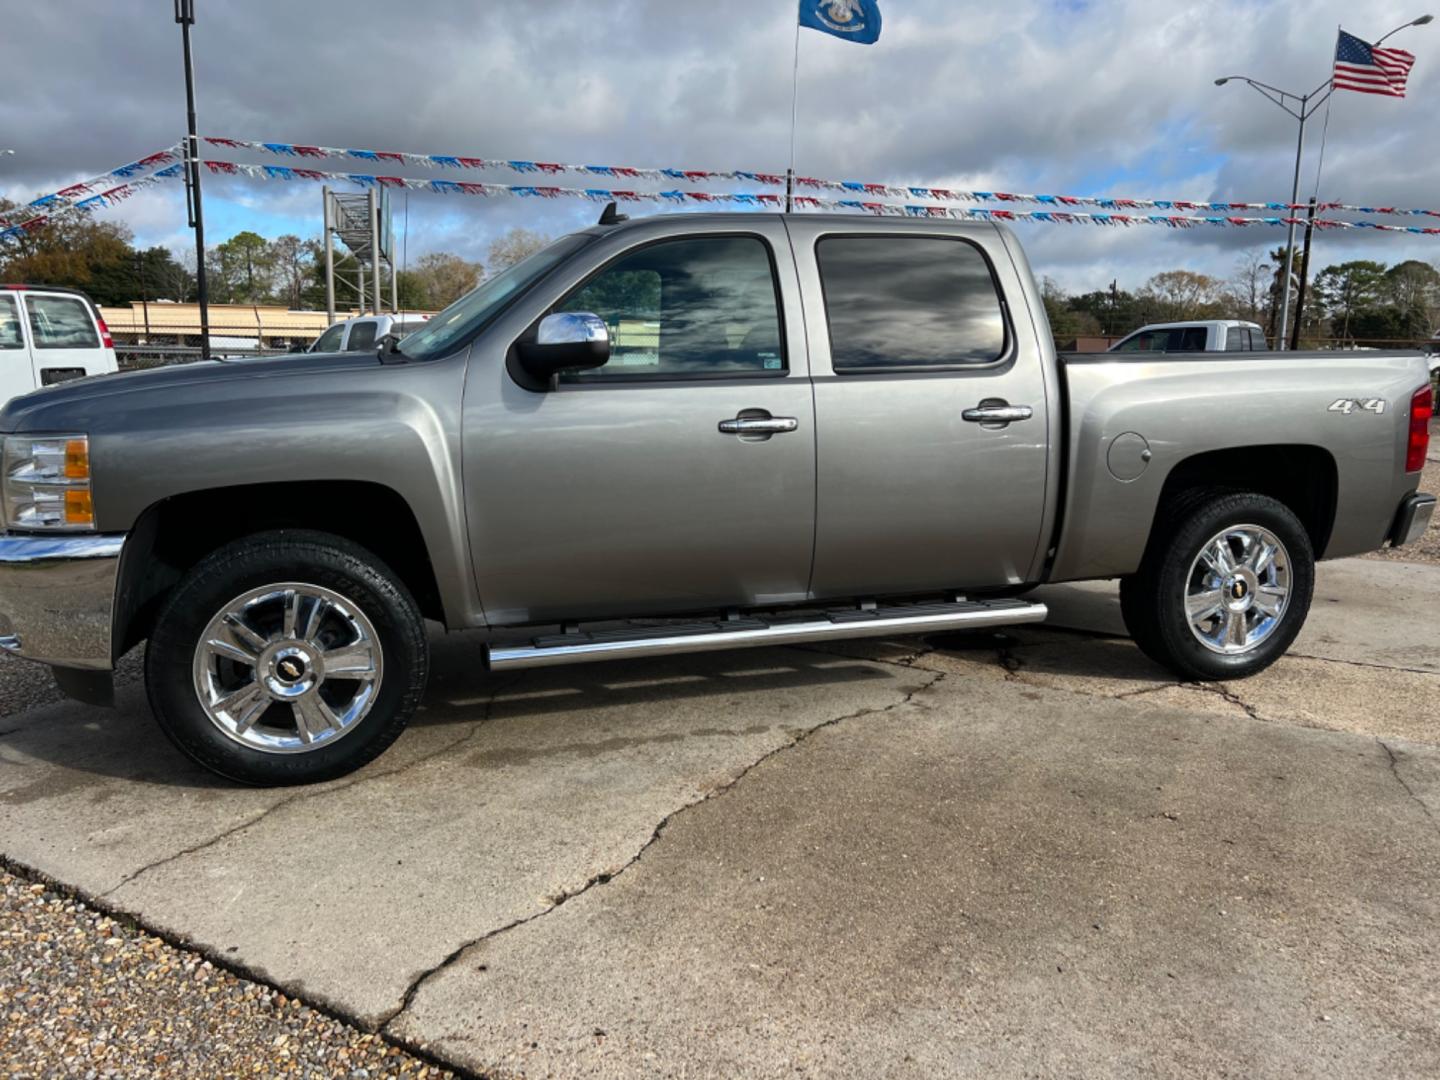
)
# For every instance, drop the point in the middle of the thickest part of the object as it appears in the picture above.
(57, 598)
(1413, 519)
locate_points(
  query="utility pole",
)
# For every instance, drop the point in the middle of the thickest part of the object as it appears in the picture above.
(185, 16)
(373, 208)
(329, 257)
(144, 293)
(1304, 277)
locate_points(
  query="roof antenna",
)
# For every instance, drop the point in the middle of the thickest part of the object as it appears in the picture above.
(612, 216)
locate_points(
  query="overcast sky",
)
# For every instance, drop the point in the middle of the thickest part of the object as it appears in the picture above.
(1062, 96)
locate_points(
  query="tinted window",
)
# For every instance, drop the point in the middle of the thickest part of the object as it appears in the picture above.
(10, 336)
(61, 322)
(700, 306)
(909, 301)
(330, 340)
(362, 337)
(1185, 339)
(1236, 339)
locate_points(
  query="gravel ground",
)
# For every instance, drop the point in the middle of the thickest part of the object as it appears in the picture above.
(84, 995)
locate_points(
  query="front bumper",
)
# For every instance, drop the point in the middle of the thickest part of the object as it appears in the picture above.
(57, 598)
(1413, 519)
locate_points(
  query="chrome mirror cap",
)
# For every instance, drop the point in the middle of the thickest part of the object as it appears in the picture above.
(572, 328)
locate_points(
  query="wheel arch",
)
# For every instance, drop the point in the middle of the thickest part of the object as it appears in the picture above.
(171, 535)
(1305, 478)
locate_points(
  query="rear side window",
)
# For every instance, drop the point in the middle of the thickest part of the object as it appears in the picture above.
(1186, 339)
(10, 335)
(1236, 339)
(908, 302)
(362, 337)
(703, 306)
(61, 322)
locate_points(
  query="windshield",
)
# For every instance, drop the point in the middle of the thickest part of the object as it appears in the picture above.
(473, 310)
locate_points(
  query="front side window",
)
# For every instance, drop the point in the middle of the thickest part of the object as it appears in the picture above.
(909, 301)
(330, 340)
(61, 322)
(362, 336)
(686, 308)
(10, 334)
(1236, 339)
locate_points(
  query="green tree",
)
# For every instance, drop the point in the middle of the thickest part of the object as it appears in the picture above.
(1413, 291)
(1175, 295)
(1066, 323)
(1347, 290)
(241, 269)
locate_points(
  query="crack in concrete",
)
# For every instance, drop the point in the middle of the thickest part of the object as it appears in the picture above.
(304, 795)
(1228, 695)
(605, 877)
(1405, 784)
(1364, 664)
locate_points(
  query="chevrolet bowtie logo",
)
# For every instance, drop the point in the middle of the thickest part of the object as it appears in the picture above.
(291, 669)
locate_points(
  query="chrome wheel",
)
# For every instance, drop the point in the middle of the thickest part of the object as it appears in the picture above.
(288, 668)
(1238, 589)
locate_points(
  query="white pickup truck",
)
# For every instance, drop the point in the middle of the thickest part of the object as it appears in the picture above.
(1205, 335)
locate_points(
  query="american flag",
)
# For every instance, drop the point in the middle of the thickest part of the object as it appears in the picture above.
(1370, 69)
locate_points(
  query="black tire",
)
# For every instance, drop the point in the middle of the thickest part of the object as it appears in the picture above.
(313, 558)
(1153, 600)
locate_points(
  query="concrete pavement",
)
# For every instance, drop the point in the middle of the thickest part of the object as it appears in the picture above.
(1032, 854)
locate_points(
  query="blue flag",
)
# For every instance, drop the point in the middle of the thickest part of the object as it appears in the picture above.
(851, 20)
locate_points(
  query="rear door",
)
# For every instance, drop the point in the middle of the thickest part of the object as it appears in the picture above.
(16, 374)
(64, 337)
(931, 410)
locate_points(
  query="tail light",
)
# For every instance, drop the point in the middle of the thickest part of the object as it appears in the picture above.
(105, 338)
(1422, 408)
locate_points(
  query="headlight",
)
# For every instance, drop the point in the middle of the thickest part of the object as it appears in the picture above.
(46, 482)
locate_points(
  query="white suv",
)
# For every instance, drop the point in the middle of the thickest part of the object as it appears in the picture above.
(49, 335)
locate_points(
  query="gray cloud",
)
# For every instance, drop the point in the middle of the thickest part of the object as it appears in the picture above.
(1029, 95)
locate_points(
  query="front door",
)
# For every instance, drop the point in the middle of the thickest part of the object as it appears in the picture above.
(679, 476)
(931, 410)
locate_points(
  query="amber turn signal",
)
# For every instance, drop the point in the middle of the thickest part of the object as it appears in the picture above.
(79, 508)
(77, 459)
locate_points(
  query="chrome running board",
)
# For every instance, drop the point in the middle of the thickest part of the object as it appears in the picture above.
(581, 646)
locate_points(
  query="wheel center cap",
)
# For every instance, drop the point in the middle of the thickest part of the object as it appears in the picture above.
(290, 670)
(1239, 590)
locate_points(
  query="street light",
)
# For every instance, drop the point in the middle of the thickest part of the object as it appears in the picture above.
(1302, 107)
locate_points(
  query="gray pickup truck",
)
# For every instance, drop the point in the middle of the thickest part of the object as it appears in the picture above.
(682, 433)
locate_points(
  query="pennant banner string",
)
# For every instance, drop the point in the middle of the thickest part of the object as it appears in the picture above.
(686, 197)
(69, 197)
(771, 179)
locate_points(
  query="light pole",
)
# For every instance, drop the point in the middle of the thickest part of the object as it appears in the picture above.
(185, 16)
(1301, 107)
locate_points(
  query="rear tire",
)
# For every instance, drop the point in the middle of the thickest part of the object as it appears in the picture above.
(288, 657)
(1224, 587)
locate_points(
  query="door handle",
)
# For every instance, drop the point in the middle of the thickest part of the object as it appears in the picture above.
(759, 425)
(997, 412)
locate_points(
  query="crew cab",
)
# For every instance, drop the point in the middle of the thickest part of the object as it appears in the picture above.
(364, 333)
(1205, 335)
(49, 335)
(682, 433)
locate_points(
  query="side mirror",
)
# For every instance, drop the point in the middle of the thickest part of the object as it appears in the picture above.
(566, 341)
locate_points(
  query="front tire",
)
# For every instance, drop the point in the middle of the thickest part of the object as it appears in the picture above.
(1224, 587)
(288, 657)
